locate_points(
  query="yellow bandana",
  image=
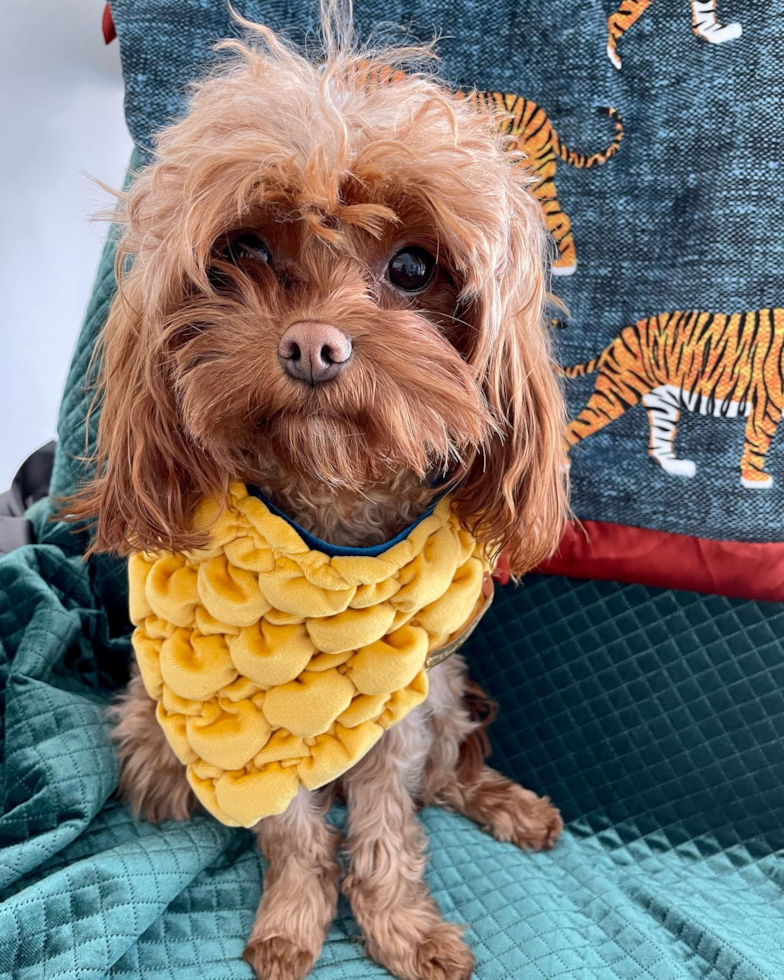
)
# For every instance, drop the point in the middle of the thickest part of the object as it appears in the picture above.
(274, 664)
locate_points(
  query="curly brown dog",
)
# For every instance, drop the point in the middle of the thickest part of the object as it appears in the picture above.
(331, 287)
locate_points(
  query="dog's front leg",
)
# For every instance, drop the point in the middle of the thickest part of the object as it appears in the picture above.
(401, 923)
(300, 889)
(152, 778)
(456, 775)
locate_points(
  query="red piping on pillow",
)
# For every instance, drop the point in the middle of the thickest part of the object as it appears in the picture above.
(618, 552)
(107, 25)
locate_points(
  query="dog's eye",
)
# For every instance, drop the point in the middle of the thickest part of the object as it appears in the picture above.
(248, 246)
(411, 269)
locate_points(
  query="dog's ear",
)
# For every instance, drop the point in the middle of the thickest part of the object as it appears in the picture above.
(515, 493)
(147, 473)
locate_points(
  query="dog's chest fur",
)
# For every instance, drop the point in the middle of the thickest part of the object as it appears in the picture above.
(351, 519)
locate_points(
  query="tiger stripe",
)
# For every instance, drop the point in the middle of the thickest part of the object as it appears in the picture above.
(712, 363)
(619, 22)
(703, 19)
(531, 134)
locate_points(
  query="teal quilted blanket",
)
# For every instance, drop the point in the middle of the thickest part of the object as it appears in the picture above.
(655, 719)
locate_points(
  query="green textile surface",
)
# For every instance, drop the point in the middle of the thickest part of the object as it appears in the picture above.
(655, 719)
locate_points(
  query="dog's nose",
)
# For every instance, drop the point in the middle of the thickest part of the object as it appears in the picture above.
(313, 351)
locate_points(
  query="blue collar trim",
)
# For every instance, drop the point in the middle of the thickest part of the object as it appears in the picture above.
(333, 550)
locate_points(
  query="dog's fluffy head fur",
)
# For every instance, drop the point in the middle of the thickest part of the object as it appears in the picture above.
(335, 166)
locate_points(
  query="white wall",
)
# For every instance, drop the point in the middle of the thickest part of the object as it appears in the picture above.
(61, 120)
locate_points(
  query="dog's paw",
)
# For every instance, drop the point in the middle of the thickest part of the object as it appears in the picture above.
(543, 830)
(277, 958)
(442, 955)
(521, 817)
(438, 953)
(534, 824)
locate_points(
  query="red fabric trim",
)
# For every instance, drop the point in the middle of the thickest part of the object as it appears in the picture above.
(502, 574)
(107, 25)
(742, 569)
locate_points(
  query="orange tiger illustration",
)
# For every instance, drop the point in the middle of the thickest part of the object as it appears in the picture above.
(719, 364)
(703, 19)
(532, 133)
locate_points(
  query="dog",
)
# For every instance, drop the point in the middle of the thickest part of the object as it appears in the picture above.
(331, 286)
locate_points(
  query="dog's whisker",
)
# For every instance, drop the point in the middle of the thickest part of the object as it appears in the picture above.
(465, 323)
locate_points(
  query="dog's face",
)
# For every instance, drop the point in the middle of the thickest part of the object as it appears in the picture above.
(336, 278)
(333, 346)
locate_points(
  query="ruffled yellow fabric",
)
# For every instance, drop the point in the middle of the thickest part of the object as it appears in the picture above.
(275, 665)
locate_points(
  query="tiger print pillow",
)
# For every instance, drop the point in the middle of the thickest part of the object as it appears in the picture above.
(653, 132)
